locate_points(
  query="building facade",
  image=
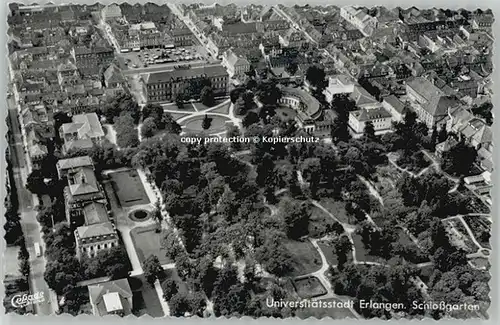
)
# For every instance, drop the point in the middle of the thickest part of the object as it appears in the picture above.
(165, 86)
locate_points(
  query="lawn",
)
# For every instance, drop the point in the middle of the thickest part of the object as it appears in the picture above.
(177, 116)
(194, 124)
(186, 108)
(309, 287)
(362, 254)
(223, 109)
(480, 262)
(129, 188)
(406, 241)
(305, 258)
(329, 250)
(145, 299)
(285, 113)
(481, 228)
(335, 313)
(337, 208)
(201, 107)
(320, 224)
(148, 242)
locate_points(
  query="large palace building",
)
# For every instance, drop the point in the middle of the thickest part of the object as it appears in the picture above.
(166, 85)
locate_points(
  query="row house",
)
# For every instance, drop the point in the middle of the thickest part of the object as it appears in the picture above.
(182, 37)
(293, 39)
(114, 80)
(37, 150)
(236, 65)
(97, 55)
(475, 132)
(359, 18)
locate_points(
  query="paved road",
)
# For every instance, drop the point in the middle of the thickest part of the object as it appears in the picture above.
(280, 12)
(189, 23)
(31, 228)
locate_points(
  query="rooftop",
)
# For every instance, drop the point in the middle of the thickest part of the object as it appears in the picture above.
(95, 230)
(71, 163)
(86, 125)
(193, 72)
(365, 115)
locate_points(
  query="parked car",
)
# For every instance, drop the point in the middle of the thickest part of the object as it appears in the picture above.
(38, 250)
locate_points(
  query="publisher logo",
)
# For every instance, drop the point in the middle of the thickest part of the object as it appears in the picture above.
(19, 301)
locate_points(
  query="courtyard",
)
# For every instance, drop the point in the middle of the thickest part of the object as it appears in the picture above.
(128, 188)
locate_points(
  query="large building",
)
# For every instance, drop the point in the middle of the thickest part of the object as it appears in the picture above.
(166, 85)
(307, 107)
(83, 133)
(429, 102)
(82, 190)
(379, 117)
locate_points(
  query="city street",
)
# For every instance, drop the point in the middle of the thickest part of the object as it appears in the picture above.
(31, 228)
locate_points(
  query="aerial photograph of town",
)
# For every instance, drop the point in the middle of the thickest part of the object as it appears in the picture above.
(207, 160)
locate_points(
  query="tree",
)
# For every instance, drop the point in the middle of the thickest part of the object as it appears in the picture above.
(340, 131)
(155, 111)
(121, 103)
(316, 75)
(170, 288)
(169, 124)
(148, 128)
(152, 269)
(24, 267)
(296, 218)
(35, 182)
(126, 134)
(207, 122)
(156, 214)
(459, 160)
(179, 305)
(250, 118)
(179, 100)
(207, 96)
(342, 247)
(369, 131)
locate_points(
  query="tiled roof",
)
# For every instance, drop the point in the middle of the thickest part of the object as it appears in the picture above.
(395, 103)
(365, 115)
(215, 70)
(362, 97)
(95, 213)
(70, 163)
(96, 230)
(84, 182)
(87, 126)
(96, 292)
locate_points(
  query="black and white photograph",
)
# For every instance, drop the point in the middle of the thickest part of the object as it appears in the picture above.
(263, 160)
